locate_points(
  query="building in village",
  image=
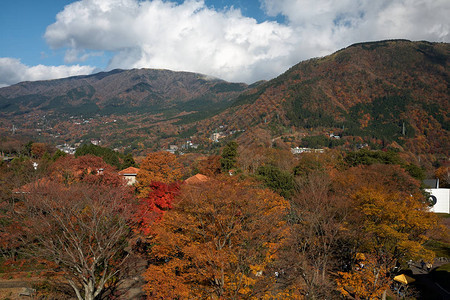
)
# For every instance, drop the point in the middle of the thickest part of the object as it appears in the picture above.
(130, 175)
(439, 197)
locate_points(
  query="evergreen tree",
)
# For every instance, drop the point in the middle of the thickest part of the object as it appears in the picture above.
(229, 156)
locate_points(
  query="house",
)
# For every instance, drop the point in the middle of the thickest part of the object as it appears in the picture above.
(196, 179)
(439, 197)
(130, 175)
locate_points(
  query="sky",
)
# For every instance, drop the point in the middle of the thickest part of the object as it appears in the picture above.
(235, 40)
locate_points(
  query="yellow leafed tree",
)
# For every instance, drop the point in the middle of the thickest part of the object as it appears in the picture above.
(160, 166)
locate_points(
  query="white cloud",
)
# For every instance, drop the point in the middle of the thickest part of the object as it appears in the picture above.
(339, 23)
(194, 37)
(188, 36)
(13, 71)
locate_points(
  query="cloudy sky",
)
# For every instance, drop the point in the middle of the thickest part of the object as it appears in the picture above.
(236, 40)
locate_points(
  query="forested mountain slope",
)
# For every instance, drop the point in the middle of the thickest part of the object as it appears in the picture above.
(117, 91)
(386, 91)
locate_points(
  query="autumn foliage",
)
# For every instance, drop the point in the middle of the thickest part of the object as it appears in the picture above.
(339, 228)
(152, 208)
(219, 240)
(160, 166)
(83, 228)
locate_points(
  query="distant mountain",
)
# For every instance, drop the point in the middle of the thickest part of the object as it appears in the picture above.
(118, 92)
(381, 91)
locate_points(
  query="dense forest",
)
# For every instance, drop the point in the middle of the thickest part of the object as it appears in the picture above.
(248, 223)
(307, 186)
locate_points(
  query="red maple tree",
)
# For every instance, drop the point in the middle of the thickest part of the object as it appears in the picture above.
(151, 209)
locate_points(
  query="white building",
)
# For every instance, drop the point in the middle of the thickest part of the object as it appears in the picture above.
(439, 198)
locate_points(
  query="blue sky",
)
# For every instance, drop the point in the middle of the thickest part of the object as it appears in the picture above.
(237, 40)
(23, 24)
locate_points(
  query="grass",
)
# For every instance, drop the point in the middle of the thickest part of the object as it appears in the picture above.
(443, 215)
(440, 248)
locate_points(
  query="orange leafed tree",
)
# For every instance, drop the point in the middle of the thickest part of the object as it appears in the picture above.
(160, 166)
(366, 281)
(390, 217)
(219, 241)
(38, 149)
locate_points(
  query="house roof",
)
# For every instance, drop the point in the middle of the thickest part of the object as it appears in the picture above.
(196, 179)
(129, 171)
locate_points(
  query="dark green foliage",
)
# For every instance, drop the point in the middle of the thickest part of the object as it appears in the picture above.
(140, 87)
(415, 171)
(128, 161)
(438, 113)
(110, 156)
(188, 133)
(385, 122)
(298, 108)
(432, 54)
(81, 92)
(279, 181)
(203, 107)
(27, 148)
(390, 157)
(248, 98)
(367, 157)
(224, 87)
(318, 141)
(58, 154)
(229, 155)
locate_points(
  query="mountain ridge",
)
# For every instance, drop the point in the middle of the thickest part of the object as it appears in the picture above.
(383, 92)
(135, 87)
(374, 90)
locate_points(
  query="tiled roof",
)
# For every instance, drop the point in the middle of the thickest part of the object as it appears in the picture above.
(129, 170)
(199, 178)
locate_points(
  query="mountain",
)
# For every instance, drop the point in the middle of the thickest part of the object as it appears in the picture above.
(127, 109)
(387, 93)
(118, 92)
(383, 92)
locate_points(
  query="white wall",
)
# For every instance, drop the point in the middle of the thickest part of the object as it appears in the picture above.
(443, 200)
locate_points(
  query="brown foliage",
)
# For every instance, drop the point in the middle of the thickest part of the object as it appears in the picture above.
(83, 229)
(38, 149)
(443, 173)
(210, 166)
(316, 219)
(87, 168)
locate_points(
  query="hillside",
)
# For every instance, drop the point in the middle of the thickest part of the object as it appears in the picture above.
(380, 91)
(120, 107)
(117, 91)
(387, 93)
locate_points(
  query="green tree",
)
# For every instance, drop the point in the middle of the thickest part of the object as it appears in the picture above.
(229, 156)
(128, 161)
(110, 156)
(279, 181)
